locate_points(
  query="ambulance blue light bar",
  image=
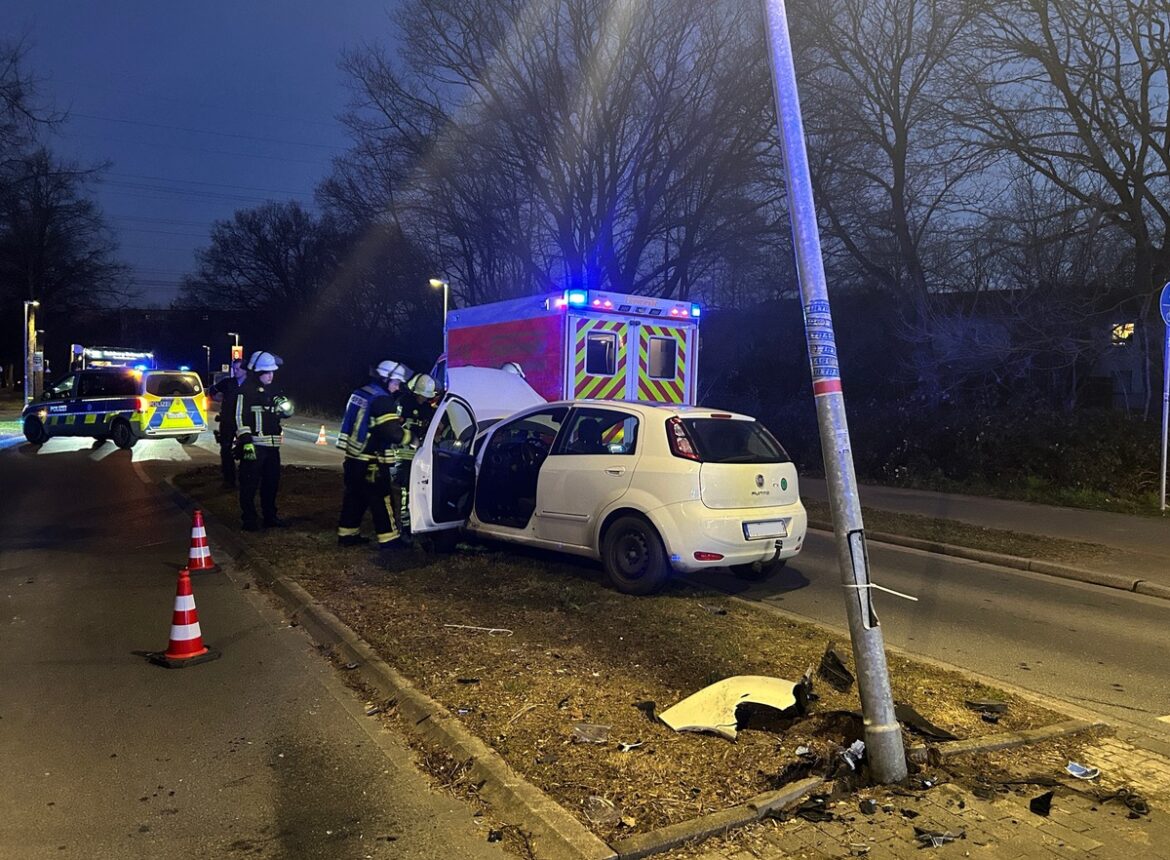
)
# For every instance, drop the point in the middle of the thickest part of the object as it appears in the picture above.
(577, 298)
(696, 310)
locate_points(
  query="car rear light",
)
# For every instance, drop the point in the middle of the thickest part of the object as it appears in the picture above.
(708, 556)
(141, 404)
(680, 440)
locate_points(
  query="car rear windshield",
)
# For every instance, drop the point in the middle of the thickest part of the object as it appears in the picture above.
(729, 440)
(173, 384)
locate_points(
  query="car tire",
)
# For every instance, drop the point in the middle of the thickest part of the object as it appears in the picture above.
(189, 439)
(634, 557)
(122, 435)
(758, 570)
(34, 430)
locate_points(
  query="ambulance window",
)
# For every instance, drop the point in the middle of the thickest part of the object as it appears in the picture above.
(601, 354)
(663, 358)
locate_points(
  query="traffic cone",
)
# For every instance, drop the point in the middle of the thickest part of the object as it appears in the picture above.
(321, 440)
(199, 559)
(186, 646)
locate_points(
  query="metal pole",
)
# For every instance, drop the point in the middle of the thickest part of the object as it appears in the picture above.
(446, 287)
(883, 735)
(1165, 407)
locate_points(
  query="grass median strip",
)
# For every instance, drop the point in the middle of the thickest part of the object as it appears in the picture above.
(524, 646)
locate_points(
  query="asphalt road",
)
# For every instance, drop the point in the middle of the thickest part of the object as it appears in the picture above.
(1100, 647)
(263, 753)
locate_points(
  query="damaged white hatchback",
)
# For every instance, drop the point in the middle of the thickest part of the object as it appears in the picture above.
(644, 488)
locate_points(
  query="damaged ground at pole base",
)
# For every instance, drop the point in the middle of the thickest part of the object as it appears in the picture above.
(564, 677)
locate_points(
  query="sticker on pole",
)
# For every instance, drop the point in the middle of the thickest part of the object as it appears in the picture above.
(822, 348)
(1165, 304)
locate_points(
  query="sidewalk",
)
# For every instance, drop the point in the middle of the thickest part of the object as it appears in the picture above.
(1139, 560)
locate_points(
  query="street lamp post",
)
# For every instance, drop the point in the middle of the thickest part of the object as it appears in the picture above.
(207, 352)
(30, 345)
(437, 283)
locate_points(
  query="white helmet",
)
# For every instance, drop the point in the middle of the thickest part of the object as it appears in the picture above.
(423, 385)
(263, 362)
(392, 370)
(513, 367)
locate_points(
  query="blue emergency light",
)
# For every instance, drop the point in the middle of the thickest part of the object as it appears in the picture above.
(577, 298)
(183, 367)
(695, 310)
(140, 367)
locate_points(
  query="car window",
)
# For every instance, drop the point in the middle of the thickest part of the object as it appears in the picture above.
(107, 385)
(61, 389)
(173, 384)
(456, 428)
(728, 440)
(599, 431)
(539, 429)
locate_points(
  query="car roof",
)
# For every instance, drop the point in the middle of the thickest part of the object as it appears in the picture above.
(666, 410)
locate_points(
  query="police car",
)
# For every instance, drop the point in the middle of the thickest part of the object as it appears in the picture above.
(121, 404)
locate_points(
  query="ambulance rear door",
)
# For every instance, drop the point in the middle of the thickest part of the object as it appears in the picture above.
(597, 362)
(664, 369)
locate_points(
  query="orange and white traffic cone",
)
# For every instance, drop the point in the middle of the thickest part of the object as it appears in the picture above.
(199, 559)
(321, 440)
(186, 646)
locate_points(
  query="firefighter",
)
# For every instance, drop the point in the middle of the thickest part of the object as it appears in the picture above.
(416, 407)
(224, 393)
(367, 434)
(260, 407)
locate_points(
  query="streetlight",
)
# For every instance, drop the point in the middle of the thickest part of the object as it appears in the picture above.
(207, 352)
(436, 283)
(30, 343)
(236, 335)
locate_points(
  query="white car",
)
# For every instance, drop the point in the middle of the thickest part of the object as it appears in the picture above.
(645, 488)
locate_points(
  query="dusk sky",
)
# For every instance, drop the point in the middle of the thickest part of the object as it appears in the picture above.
(199, 108)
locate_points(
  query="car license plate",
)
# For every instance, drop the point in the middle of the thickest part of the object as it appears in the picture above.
(765, 529)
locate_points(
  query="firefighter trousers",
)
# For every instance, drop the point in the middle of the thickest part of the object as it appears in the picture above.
(366, 486)
(400, 486)
(262, 474)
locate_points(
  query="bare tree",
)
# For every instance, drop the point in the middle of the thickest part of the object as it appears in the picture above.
(21, 115)
(1076, 91)
(576, 142)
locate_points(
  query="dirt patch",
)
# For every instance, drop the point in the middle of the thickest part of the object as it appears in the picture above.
(522, 646)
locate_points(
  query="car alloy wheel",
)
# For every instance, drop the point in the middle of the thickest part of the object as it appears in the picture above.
(34, 430)
(122, 435)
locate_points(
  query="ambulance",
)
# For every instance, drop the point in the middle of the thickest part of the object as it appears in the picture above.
(583, 344)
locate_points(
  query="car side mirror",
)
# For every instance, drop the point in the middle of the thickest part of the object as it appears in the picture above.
(46, 395)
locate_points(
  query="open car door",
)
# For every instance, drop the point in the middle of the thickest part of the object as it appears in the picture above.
(442, 477)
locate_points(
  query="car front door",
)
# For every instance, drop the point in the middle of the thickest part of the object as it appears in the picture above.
(442, 475)
(590, 468)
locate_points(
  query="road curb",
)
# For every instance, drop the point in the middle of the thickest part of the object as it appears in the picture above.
(1118, 581)
(553, 832)
(1004, 740)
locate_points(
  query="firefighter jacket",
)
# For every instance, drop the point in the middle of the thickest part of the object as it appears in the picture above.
(415, 417)
(368, 428)
(257, 420)
(227, 388)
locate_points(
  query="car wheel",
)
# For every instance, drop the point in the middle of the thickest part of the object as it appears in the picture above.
(34, 430)
(758, 570)
(634, 557)
(122, 435)
(189, 439)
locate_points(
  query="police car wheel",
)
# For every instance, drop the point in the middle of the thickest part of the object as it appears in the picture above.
(189, 439)
(122, 435)
(34, 430)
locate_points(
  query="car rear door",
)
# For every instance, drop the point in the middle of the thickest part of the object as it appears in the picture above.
(442, 475)
(174, 403)
(589, 469)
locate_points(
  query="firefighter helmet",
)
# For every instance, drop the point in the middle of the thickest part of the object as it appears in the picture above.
(392, 370)
(264, 362)
(513, 367)
(423, 385)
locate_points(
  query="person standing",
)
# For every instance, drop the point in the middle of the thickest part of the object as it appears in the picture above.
(224, 393)
(368, 433)
(416, 408)
(260, 407)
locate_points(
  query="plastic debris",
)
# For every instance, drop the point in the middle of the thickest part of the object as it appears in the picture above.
(648, 708)
(625, 747)
(909, 813)
(854, 754)
(834, 670)
(1082, 772)
(858, 849)
(868, 806)
(467, 680)
(814, 809)
(917, 723)
(601, 811)
(1133, 801)
(803, 751)
(495, 835)
(713, 708)
(936, 838)
(986, 706)
(590, 733)
(1041, 805)
(714, 610)
(351, 665)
